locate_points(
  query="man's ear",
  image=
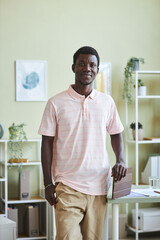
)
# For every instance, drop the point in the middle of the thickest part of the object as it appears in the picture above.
(73, 68)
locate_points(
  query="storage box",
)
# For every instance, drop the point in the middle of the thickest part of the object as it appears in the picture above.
(7, 229)
(24, 185)
(13, 215)
(152, 168)
(148, 219)
(32, 221)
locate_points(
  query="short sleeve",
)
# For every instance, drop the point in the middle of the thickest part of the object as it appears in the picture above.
(48, 123)
(114, 126)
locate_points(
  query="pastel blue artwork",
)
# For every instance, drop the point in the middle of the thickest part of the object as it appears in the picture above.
(31, 81)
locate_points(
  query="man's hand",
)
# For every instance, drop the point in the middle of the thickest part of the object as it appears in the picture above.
(119, 171)
(49, 195)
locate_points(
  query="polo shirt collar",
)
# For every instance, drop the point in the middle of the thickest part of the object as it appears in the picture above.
(76, 95)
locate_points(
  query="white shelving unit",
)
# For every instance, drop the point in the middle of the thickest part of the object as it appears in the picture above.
(137, 142)
(36, 195)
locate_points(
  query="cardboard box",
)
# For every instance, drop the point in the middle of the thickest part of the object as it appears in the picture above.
(13, 215)
(32, 221)
(24, 185)
(148, 219)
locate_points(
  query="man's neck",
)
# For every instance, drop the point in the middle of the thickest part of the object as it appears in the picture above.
(83, 90)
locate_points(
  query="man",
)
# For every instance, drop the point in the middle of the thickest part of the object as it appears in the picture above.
(73, 130)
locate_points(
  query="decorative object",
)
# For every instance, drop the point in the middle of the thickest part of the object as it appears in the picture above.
(142, 90)
(102, 82)
(1, 131)
(24, 185)
(31, 80)
(132, 65)
(140, 130)
(16, 137)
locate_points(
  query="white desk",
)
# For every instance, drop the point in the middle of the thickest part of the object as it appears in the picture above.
(115, 209)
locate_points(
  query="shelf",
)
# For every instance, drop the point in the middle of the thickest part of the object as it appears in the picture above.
(29, 140)
(144, 141)
(147, 72)
(32, 200)
(149, 97)
(141, 231)
(25, 237)
(37, 198)
(36, 163)
(24, 164)
(139, 111)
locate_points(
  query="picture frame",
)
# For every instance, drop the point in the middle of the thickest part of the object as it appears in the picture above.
(31, 78)
(103, 81)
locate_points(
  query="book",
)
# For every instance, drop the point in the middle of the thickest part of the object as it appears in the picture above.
(123, 187)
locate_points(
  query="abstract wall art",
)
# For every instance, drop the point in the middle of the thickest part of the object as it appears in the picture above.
(103, 79)
(31, 80)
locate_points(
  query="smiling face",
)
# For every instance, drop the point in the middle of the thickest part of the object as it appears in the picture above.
(85, 69)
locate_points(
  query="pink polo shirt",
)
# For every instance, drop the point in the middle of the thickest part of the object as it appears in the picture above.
(79, 125)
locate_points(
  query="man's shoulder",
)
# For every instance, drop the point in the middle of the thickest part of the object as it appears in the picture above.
(58, 97)
(103, 96)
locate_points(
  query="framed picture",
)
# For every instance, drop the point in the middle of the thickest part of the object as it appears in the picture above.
(102, 82)
(31, 80)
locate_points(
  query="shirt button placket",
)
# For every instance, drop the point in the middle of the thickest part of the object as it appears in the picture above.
(85, 108)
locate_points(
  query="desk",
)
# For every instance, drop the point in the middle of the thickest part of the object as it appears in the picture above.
(115, 209)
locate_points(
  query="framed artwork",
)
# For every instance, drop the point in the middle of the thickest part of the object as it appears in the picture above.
(102, 82)
(31, 80)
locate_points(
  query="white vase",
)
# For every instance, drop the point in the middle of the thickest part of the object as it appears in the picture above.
(140, 134)
(142, 91)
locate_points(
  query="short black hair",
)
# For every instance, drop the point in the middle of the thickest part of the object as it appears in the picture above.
(86, 50)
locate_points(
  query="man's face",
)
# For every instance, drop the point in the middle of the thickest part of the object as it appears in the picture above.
(85, 69)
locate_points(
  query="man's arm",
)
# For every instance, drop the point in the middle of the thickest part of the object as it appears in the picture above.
(46, 159)
(119, 169)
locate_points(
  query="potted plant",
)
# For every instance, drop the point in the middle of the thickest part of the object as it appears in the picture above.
(16, 137)
(142, 90)
(140, 130)
(132, 65)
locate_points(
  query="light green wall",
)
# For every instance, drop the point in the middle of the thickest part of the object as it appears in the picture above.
(53, 30)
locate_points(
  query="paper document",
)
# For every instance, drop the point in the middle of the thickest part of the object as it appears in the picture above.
(148, 192)
(135, 195)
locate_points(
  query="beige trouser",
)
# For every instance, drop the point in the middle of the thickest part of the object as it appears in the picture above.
(78, 216)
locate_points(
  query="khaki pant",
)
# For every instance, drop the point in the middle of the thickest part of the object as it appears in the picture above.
(79, 216)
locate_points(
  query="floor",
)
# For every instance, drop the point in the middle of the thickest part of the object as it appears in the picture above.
(144, 236)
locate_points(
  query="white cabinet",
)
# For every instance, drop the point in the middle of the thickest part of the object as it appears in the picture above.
(7, 229)
(9, 187)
